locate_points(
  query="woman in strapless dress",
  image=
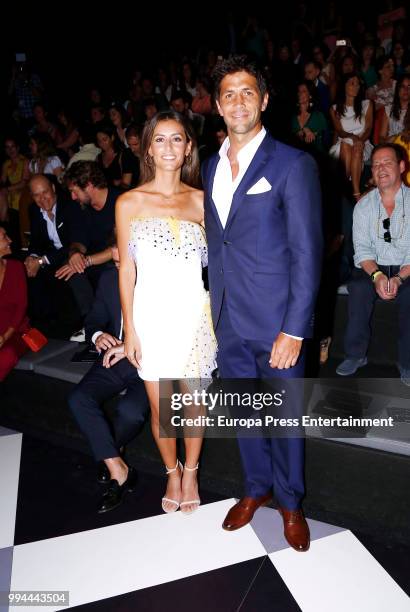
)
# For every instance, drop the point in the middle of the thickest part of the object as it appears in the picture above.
(166, 312)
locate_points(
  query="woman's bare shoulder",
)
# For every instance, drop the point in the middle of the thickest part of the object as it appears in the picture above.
(132, 201)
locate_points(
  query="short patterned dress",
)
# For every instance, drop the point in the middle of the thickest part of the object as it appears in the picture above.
(171, 313)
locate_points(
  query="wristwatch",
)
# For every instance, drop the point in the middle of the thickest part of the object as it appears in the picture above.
(374, 274)
(41, 261)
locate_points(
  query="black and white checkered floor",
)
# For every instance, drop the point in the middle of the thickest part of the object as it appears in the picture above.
(138, 558)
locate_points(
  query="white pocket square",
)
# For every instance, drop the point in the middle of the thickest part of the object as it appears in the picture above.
(260, 187)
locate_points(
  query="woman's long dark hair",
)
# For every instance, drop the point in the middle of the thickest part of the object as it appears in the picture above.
(396, 108)
(341, 96)
(190, 169)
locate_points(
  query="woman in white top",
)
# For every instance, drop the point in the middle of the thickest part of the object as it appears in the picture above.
(165, 307)
(352, 118)
(382, 93)
(393, 116)
(43, 161)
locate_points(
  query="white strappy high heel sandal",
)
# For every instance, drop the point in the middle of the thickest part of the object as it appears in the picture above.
(197, 502)
(167, 499)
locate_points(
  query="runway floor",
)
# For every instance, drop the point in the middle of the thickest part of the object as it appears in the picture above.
(136, 558)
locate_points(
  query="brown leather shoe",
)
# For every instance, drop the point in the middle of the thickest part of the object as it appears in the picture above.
(242, 513)
(296, 529)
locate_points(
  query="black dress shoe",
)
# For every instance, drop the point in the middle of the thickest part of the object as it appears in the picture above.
(103, 473)
(112, 497)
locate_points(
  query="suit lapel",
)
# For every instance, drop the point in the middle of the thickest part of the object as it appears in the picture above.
(59, 219)
(256, 166)
(210, 171)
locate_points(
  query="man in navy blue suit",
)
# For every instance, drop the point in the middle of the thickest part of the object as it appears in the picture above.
(263, 224)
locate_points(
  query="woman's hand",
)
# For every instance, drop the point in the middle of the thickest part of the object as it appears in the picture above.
(309, 135)
(132, 349)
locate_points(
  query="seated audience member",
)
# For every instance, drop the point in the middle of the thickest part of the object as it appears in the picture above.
(312, 73)
(352, 118)
(381, 238)
(13, 306)
(403, 139)
(48, 248)
(308, 124)
(119, 120)
(109, 159)
(43, 156)
(103, 328)
(393, 116)
(130, 160)
(88, 151)
(14, 176)
(69, 133)
(367, 69)
(43, 125)
(91, 229)
(202, 100)
(181, 102)
(382, 93)
(97, 114)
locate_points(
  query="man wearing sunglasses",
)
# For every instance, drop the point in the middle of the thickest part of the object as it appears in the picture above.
(381, 239)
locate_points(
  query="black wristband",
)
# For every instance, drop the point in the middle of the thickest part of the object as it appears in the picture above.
(401, 279)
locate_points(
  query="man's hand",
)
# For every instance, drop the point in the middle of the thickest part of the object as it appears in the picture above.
(285, 352)
(380, 285)
(65, 272)
(2, 340)
(394, 287)
(106, 341)
(32, 266)
(78, 262)
(114, 355)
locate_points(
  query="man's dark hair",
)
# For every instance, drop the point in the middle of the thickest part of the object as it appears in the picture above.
(237, 63)
(398, 151)
(82, 173)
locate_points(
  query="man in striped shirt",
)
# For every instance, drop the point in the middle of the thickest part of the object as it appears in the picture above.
(381, 239)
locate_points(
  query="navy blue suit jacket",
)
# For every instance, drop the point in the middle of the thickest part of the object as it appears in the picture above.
(267, 260)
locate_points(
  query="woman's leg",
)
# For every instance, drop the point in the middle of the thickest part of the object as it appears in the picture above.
(346, 157)
(193, 440)
(189, 479)
(167, 448)
(356, 168)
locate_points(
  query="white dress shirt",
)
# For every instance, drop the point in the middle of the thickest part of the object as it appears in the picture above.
(52, 227)
(51, 230)
(224, 186)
